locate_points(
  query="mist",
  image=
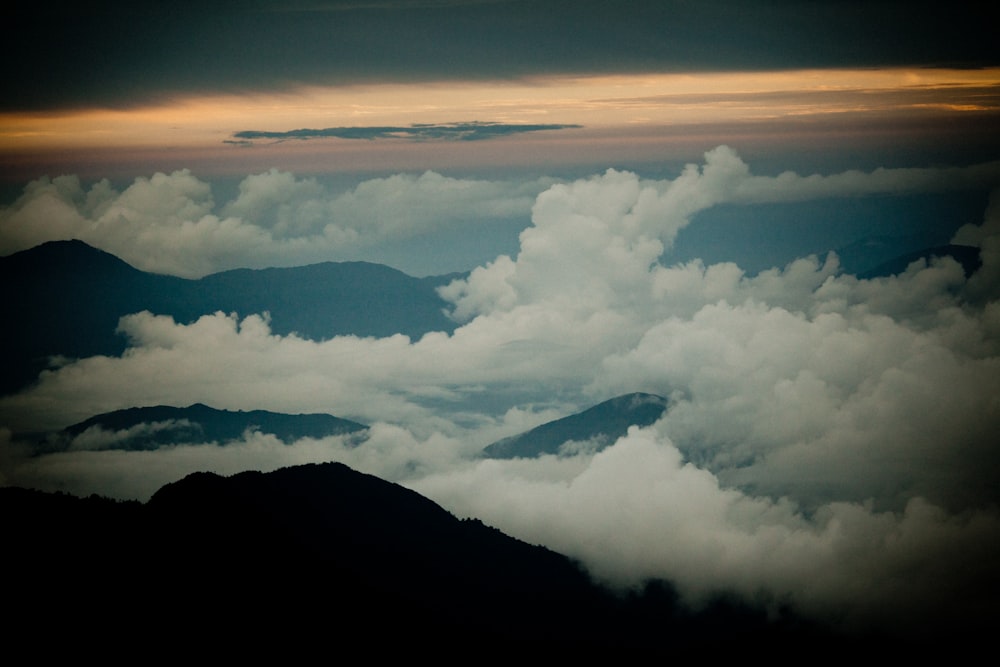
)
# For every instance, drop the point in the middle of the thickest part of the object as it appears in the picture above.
(829, 442)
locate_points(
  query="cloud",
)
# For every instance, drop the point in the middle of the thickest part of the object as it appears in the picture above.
(176, 51)
(137, 474)
(840, 404)
(789, 186)
(637, 510)
(388, 450)
(97, 438)
(601, 239)
(227, 356)
(471, 131)
(170, 223)
(830, 441)
(986, 237)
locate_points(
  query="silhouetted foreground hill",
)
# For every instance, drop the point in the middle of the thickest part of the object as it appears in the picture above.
(66, 297)
(595, 427)
(323, 557)
(152, 427)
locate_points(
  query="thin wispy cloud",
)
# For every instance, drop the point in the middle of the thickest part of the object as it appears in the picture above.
(471, 131)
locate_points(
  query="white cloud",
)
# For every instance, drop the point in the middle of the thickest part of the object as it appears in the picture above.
(597, 240)
(825, 433)
(170, 223)
(137, 474)
(637, 511)
(853, 406)
(97, 438)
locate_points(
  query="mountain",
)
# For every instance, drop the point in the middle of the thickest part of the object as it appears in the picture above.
(879, 256)
(148, 428)
(320, 301)
(66, 297)
(323, 558)
(596, 427)
(967, 256)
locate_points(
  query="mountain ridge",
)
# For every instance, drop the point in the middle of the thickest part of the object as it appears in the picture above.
(170, 425)
(65, 298)
(969, 257)
(596, 427)
(321, 555)
(881, 256)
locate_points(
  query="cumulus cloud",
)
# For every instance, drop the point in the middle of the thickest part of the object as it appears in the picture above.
(601, 238)
(986, 237)
(857, 406)
(637, 511)
(830, 441)
(171, 223)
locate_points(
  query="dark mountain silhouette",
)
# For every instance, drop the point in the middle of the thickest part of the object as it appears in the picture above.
(600, 426)
(153, 427)
(321, 557)
(66, 297)
(320, 301)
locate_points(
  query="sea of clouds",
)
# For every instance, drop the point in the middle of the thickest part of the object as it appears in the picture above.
(830, 442)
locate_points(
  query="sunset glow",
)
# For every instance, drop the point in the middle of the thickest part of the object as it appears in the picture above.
(631, 103)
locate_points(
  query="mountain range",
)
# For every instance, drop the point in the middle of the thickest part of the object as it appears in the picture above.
(148, 428)
(322, 557)
(65, 298)
(318, 559)
(967, 256)
(593, 429)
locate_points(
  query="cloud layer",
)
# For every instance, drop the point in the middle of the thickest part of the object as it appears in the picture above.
(830, 442)
(171, 223)
(81, 59)
(471, 131)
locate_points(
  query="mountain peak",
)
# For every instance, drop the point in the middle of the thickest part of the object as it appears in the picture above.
(321, 551)
(594, 428)
(70, 297)
(148, 428)
(69, 256)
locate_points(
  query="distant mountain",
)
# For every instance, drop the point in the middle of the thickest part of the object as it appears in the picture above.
(152, 427)
(877, 256)
(66, 297)
(967, 256)
(321, 557)
(598, 427)
(320, 301)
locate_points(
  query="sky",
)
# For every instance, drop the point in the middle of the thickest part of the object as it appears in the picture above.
(644, 196)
